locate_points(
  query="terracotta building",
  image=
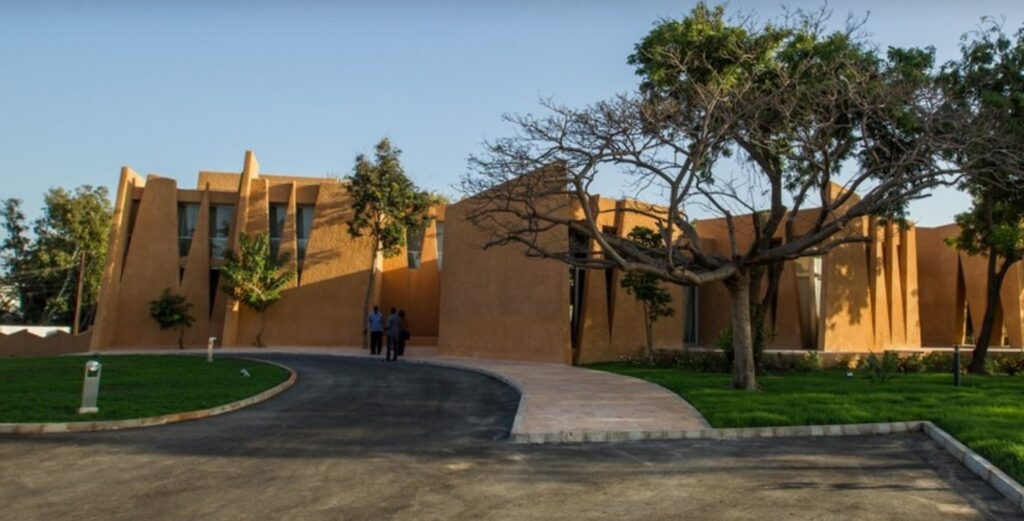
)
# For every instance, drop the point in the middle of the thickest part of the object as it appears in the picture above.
(903, 289)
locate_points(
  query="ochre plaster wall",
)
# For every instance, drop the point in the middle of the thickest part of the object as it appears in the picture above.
(498, 303)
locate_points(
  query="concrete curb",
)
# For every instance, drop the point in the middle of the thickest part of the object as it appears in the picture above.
(116, 425)
(858, 429)
(998, 479)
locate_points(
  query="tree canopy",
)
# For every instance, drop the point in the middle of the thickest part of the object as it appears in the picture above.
(786, 133)
(42, 268)
(987, 84)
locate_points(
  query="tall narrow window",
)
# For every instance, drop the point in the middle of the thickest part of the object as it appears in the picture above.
(690, 309)
(220, 229)
(304, 224)
(414, 247)
(188, 214)
(578, 248)
(278, 212)
(808, 283)
(440, 243)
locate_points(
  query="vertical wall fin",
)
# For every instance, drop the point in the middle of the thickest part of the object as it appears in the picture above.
(250, 171)
(106, 310)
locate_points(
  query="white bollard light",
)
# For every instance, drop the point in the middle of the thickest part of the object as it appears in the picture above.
(209, 348)
(90, 387)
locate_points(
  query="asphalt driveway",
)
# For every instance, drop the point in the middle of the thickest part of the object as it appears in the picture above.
(361, 439)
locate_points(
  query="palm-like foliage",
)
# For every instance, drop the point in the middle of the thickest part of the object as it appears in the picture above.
(255, 277)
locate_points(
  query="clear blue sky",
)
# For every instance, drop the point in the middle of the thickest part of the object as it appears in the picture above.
(177, 87)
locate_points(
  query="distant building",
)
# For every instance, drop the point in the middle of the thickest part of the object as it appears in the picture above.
(903, 289)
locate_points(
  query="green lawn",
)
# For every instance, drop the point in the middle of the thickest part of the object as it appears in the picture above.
(49, 389)
(987, 413)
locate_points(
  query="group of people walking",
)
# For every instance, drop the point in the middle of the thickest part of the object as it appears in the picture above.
(397, 329)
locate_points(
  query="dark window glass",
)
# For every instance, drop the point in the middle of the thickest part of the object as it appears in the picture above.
(303, 226)
(278, 212)
(188, 215)
(221, 217)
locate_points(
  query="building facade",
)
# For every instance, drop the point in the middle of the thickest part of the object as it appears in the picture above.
(903, 289)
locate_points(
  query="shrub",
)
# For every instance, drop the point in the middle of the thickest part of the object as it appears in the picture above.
(913, 363)
(809, 362)
(1012, 364)
(939, 362)
(881, 369)
(702, 361)
(848, 362)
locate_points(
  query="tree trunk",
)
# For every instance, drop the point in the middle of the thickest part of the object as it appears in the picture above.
(993, 286)
(743, 376)
(259, 334)
(181, 338)
(369, 293)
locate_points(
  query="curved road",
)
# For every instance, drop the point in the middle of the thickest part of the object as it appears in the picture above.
(362, 439)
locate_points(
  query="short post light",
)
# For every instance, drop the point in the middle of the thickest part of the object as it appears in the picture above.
(956, 365)
(209, 348)
(90, 387)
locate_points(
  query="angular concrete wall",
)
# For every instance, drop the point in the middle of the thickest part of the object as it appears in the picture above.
(953, 285)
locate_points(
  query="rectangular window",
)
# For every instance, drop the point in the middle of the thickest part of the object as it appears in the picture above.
(278, 212)
(221, 217)
(188, 214)
(414, 247)
(440, 243)
(304, 224)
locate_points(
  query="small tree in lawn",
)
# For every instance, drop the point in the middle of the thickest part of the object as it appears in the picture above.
(171, 311)
(255, 277)
(647, 288)
(386, 206)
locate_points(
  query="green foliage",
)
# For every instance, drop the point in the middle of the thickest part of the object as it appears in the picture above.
(255, 277)
(881, 369)
(386, 205)
(171, 311)
(43, 270)
(647, 288)
(702, 48)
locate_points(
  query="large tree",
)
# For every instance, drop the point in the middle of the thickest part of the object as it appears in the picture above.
(819, 125)
(44, 269)
(386, 206)
(987, 83)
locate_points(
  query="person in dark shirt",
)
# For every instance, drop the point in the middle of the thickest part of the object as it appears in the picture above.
(394, 329)
(404, 334)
